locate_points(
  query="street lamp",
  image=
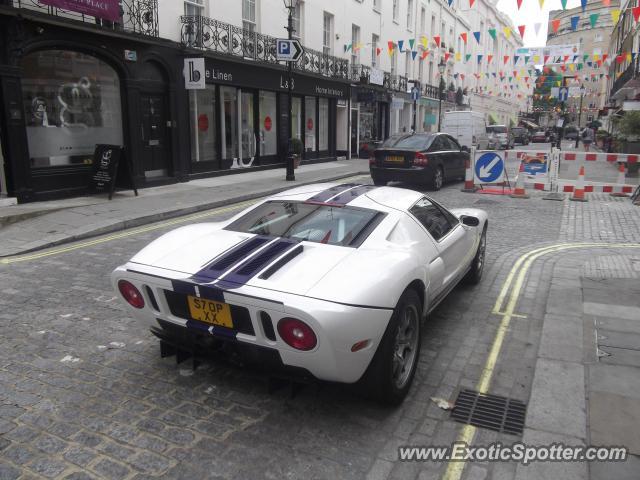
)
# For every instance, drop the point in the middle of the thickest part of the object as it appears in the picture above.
(291, 6)
(441, 68)
(582, 89)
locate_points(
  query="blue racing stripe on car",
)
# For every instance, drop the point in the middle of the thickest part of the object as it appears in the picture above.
(231, 257)
(244, 272)
(351, 194)
(331, 192)
(212, 329)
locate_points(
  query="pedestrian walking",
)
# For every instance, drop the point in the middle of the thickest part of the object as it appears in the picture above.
(587, 138)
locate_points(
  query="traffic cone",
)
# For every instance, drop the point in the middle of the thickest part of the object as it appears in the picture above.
(621, 179)
(578, 191)
(519, 191)
(469, 185)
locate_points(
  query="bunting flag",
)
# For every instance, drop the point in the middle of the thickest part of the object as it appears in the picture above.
(400, 45)
(606, 3)
(492, 32)
(507, 31)
(479, 59)
(489, 58)
(526, 60)
(463, 35)
(446, 57)
(593, 18)
(477, 35)
(615, 15)
(458, 56)
(450, 2)
(424, 54)
(515, 59)
(467, 57)
(536, 60)
(564, 4)
(347, 47)
(436, 39)
(471, 2)
(583, 3)
(541, 4)
(519, 3)
(636, 13)
(378, 51)
(521, 30)
(505, 59)
(555, 25)
(413, 54)
(425, 42)
(574, 22)
(391, 47)
(536, 27)
(412, 42)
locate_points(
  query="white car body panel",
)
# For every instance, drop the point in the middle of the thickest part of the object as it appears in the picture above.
(345, 294)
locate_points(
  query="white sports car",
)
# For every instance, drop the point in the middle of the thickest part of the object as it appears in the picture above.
(328, 281)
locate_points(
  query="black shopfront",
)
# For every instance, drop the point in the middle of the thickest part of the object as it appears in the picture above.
(370, 118)
(241, 118)
(67, 85)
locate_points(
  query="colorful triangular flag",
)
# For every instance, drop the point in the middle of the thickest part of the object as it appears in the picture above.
(507, 31)
(536, 27)
(593, 18)
(555, 24)
(424, 41)
(436, 39)
(413, 54)
(541, 4)
(519, 3)
(400, 45)
(636, 13)
(564, 4)
(492, 32)
(467, 57)
(574, 22)
(477, 35)
(412, 42)
(583, 3)
(521, 30)
(479, 58)
(463, 35)
(615, 15)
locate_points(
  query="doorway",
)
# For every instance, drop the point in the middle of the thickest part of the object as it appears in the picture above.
(156, 144)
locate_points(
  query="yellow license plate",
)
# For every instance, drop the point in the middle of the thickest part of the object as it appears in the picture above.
(208, 311)
(395, 159)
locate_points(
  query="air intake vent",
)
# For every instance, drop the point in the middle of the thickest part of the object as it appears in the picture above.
(501, 414)
(236, 254)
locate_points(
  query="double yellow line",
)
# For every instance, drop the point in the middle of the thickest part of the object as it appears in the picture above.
(127, 233)
(512, 288)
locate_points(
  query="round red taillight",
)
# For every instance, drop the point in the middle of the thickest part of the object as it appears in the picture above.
(297, 334)
(131, 294)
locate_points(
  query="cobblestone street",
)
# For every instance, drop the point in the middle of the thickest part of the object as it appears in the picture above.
(85, 394)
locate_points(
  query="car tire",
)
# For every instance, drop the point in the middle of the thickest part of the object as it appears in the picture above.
(388, 378)
(379, 182)
(437, 179)
(474, 275)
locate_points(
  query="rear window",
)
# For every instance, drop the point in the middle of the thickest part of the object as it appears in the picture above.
(415, 142)
(497, 129)
(391, 141)
(344, 226)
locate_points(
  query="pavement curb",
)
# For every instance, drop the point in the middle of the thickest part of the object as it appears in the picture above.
(147, 219)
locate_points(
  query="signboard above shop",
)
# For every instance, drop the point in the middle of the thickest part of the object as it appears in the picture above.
(376, 77)
(105, 9)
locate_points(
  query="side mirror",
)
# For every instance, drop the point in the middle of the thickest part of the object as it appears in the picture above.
(470, 221)
(464, 148)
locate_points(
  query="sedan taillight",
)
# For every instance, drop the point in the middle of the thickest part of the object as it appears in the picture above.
(420, 160)
(131, 294)
(372, 159)
(297, 334)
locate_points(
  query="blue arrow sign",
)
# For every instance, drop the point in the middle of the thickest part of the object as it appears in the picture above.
(489, 167)
(415, 93)
(563, 94)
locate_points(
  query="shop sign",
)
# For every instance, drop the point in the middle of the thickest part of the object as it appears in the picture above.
(105, 9)
(376, 76)
(131, 55)
(397, 103)
(194, 74)
(106, 174)
(267, 123)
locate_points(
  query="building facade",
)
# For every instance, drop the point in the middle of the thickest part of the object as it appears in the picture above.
(587, 40)
(623, 86)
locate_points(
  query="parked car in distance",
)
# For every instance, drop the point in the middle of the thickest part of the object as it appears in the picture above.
(421, 158)
(467, 127)
(520, 135)
(539, 137)
(499, 137)
(570, 133)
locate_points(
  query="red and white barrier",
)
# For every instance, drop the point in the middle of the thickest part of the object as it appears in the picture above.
(600, 157)
(578, 191)
(469, 183)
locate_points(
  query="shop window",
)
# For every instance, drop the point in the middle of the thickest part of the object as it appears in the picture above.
(296, 117)
(310, 124)
(323, 124)
(268, 124)
(203, 124)
(72, 102)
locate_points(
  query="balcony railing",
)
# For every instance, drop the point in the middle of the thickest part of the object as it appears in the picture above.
(209, 34)
(632, 71)
(431, 91)
(360, 73)
(136, 16)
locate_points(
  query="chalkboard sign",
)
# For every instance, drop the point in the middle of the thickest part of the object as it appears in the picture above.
(107, 175)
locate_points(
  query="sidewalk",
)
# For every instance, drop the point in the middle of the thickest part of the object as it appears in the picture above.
(34, 226)
(585, 389)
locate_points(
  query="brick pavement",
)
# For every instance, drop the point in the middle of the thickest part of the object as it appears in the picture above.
(85, 394)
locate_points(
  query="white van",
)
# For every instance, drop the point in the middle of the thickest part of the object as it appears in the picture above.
(468, 127)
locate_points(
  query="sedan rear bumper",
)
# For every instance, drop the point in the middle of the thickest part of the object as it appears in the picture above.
(409, 175)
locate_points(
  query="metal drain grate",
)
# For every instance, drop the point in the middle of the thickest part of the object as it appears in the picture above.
(501, 414)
